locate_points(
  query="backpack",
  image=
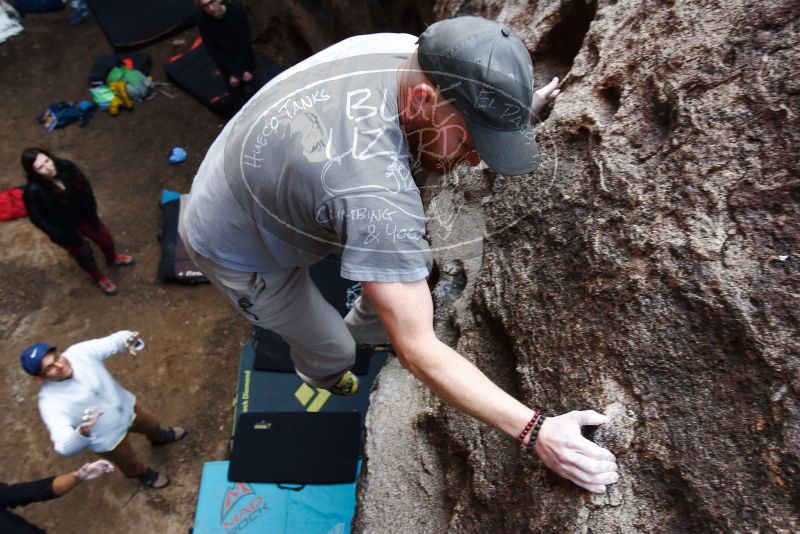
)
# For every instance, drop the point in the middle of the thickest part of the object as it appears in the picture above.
(11, 204)
(64, 113)
(138, 86)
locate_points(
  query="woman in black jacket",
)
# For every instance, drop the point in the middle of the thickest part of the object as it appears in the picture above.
(60, 202)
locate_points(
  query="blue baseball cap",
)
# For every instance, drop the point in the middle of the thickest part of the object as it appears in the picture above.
(31, 358)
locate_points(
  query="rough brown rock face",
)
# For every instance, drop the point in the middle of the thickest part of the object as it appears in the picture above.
(648, 269)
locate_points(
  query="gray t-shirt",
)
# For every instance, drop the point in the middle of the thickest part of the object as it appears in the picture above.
(315, 164)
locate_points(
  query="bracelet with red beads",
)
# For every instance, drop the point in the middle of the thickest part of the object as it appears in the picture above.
(521, 437)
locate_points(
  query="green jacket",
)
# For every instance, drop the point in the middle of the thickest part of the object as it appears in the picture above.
(129, 76)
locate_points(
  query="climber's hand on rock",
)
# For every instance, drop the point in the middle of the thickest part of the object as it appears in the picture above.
(550, 91)
(544, 96)
(562, 448)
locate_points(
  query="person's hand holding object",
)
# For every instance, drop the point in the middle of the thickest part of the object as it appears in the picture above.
(90, 417)
(93, 470)
(134, 344)
(563, 449)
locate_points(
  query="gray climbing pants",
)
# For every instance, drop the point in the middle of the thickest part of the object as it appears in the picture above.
(323, 345)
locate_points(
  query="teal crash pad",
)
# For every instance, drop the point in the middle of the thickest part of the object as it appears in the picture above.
(249, 508)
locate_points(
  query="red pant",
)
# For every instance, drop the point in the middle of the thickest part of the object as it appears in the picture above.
(83, 253)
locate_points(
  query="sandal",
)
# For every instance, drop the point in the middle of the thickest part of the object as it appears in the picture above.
(171, 435)
(155, 480)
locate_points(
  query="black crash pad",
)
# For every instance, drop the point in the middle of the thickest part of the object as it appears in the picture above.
(175, 264)
(102, 65)
(197, 74)
(295, 448)
(263, 391)
(136, 23)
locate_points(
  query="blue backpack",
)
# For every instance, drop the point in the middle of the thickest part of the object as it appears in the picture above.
(61, 114)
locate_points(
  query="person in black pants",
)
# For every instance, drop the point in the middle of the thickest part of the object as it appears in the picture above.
(24, 493)
(60, 202)
(226, 35)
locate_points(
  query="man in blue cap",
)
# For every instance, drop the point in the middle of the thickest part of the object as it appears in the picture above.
(83, 406)
(326, 159)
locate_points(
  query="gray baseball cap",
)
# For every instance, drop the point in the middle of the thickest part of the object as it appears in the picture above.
(487, 74)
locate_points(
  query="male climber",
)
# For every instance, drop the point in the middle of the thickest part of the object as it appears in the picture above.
(326, 159)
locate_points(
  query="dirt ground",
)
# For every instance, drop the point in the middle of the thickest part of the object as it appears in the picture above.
(187, 373)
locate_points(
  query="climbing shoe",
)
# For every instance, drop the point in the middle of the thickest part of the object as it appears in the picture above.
(346, 386)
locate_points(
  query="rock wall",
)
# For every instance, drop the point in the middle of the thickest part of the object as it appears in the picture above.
(288, 31)
(648, 269)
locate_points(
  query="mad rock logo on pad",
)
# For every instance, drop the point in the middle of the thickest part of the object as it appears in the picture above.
(240, 507)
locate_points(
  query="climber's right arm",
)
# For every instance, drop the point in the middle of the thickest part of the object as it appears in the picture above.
(406, 310)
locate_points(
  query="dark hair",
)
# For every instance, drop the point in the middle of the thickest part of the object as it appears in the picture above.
(64, 171)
